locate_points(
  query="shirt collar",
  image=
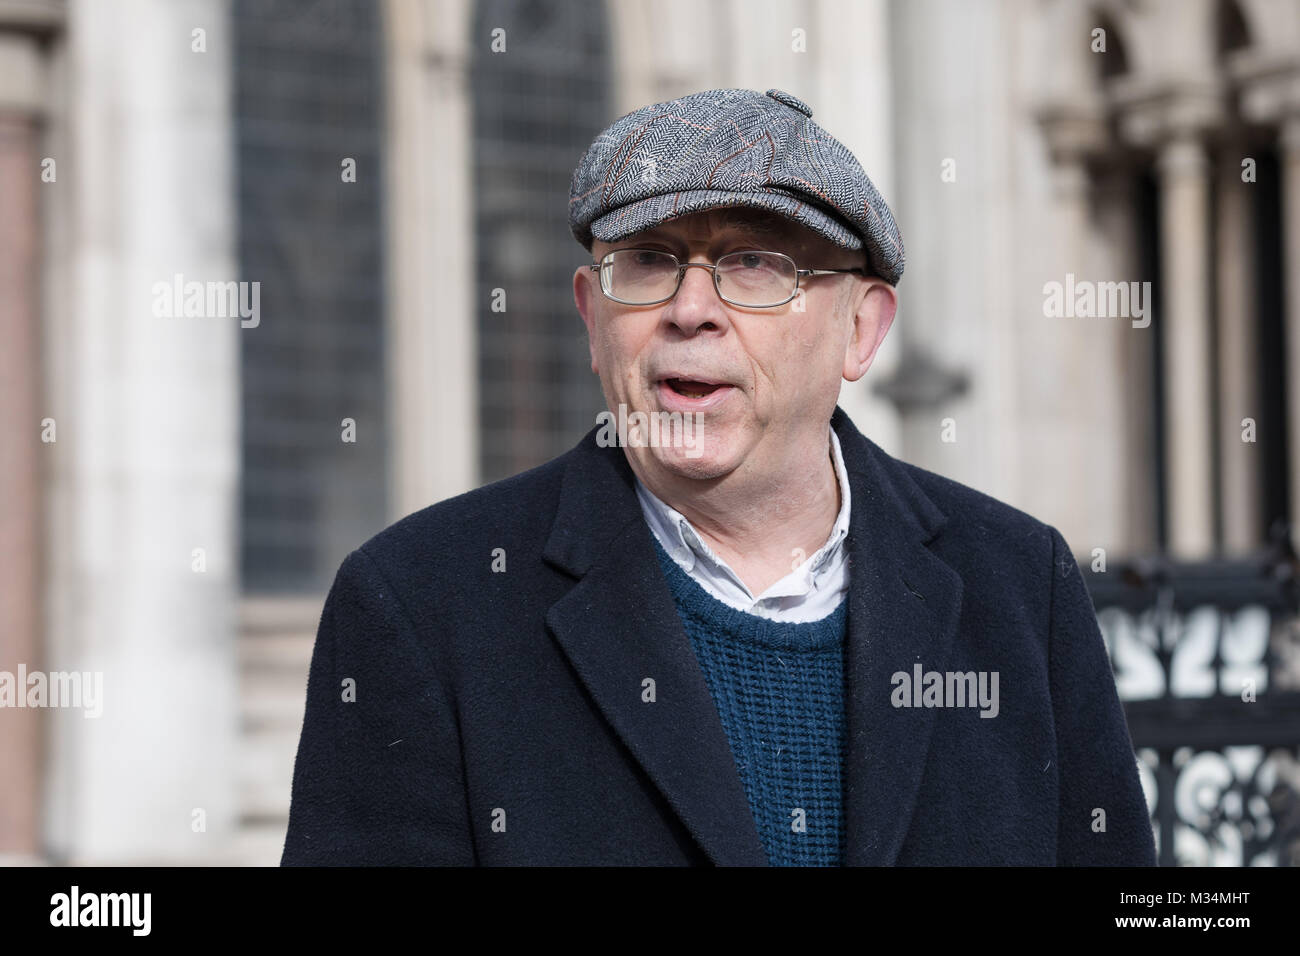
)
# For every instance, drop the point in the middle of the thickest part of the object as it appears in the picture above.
(685, 546)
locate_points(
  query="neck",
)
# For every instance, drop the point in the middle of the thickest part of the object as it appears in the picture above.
(763, 526)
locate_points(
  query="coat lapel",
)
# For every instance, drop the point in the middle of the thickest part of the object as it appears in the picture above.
(618, 625)
(903, 610)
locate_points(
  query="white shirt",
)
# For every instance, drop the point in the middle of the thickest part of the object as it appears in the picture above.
(808, 593)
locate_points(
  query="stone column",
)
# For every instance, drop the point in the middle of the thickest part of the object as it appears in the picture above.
(1057, 371)
(1130, 428)
(1289, 156)
(432, 341)
(1238, 348)
(1185, 291)
(143, 544)
(21, 458)
(1069, 417)
(1269, 83)
(858, 106)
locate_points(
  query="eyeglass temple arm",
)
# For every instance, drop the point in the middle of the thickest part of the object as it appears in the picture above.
(824, 272)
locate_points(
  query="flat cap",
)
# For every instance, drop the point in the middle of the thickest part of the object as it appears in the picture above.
(730, 148)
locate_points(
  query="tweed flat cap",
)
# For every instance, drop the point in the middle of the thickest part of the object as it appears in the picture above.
(730, 148)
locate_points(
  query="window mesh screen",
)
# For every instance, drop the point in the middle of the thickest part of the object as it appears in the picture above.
(537, 106)
(307, 96)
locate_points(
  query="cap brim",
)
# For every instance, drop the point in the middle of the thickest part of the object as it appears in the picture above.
(650, 212)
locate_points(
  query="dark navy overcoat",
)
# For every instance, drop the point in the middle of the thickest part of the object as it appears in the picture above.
(459, 713)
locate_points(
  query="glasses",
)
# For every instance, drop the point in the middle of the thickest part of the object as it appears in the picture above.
(751, 279)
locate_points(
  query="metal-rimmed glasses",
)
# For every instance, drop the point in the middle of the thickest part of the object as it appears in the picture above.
(751, 278)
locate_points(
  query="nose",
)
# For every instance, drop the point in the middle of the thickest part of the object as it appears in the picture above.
(696, 303)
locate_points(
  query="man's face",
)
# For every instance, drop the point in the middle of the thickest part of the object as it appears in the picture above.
(765, 380)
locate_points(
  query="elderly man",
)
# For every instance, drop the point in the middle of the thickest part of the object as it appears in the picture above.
(753, 639)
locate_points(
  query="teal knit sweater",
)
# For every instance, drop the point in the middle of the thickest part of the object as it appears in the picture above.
(779, 689)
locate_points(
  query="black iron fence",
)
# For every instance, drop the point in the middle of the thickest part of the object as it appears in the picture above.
(1207, 661)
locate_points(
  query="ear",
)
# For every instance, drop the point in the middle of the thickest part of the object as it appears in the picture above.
(871, 323)
(585, 294)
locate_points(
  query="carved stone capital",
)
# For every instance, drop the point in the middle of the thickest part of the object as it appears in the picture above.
(23, 26)
(1269, 85)
(39, 17)
(1152, 113)
(1074, 132)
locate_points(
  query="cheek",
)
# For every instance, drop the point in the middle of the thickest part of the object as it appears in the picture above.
(810, 353)
(809, 340)
(619, 348)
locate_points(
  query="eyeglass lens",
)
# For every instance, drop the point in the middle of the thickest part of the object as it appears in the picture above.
(645, 276)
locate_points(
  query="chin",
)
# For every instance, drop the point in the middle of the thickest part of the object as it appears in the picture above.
(701, 463)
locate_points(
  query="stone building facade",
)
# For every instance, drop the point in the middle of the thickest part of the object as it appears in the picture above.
(1021, 143)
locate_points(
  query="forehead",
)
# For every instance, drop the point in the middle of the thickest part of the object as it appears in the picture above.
(731, 219)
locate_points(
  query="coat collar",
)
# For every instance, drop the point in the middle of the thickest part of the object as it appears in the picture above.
(618, 625)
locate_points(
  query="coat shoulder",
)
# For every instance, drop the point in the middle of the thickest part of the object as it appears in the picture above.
(984, 527)
(963, 521)
(442, 536)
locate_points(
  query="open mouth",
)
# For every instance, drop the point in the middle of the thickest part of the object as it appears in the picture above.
(690, 389)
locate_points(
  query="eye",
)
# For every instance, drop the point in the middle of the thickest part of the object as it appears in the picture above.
(646, 255)
(753, 261)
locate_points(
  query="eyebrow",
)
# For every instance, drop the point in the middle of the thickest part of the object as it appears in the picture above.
(757, 223)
